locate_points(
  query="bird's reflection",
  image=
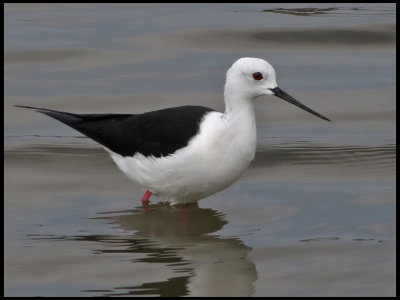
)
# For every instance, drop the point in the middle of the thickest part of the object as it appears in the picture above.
(166, 220)
(181, 239)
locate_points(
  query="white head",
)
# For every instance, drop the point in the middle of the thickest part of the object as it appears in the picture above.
(250, 78)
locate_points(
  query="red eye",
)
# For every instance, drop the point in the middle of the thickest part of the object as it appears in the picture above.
(257, 76)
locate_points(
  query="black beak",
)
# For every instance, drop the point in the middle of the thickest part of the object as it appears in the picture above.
(283, 95)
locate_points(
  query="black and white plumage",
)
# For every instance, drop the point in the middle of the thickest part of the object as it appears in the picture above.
(186, 153)
(156, 133)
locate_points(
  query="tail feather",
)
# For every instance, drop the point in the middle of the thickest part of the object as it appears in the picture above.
(67, 118)
(106, 129)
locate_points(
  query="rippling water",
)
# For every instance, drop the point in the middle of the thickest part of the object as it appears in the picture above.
(313, 216)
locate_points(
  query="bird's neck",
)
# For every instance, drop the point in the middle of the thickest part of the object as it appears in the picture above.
(240, 119)
(239, 112)
(238, 104)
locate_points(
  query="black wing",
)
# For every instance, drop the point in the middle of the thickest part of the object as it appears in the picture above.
(158, 133)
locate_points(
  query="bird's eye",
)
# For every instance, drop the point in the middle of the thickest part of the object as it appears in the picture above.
(257, 76)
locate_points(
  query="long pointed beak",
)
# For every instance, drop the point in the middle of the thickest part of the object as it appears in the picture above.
(283, 95)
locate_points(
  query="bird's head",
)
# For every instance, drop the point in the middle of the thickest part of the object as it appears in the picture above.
(251, 78)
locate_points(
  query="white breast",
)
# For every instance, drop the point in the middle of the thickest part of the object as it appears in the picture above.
(213, 160)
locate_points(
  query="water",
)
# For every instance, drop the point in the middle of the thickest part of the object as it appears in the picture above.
(313, 216)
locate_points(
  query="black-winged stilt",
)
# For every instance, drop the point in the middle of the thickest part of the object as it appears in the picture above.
(183, 154)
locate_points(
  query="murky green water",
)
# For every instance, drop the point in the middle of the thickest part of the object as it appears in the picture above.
(313, 216)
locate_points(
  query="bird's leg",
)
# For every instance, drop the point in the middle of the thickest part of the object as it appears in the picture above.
(146, 196)
(182, 222)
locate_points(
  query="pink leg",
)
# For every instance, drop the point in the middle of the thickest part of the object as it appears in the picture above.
(182, 222)
(146, 196)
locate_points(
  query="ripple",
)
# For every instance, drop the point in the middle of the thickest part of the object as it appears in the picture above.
(331, 11)
(310, 11)
(380, 156)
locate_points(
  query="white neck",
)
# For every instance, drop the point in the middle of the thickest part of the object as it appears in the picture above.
(238, 102)
(239, 115)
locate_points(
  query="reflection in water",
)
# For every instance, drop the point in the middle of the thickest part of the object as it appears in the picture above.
(178, 237)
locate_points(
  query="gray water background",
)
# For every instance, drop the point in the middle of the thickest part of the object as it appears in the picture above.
(313, 216)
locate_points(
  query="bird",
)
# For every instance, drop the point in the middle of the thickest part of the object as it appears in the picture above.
(186, 153)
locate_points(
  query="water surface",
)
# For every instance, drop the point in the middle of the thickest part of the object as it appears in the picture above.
(313, 216)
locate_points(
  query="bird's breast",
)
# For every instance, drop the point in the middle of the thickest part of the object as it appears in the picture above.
(224, 146)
